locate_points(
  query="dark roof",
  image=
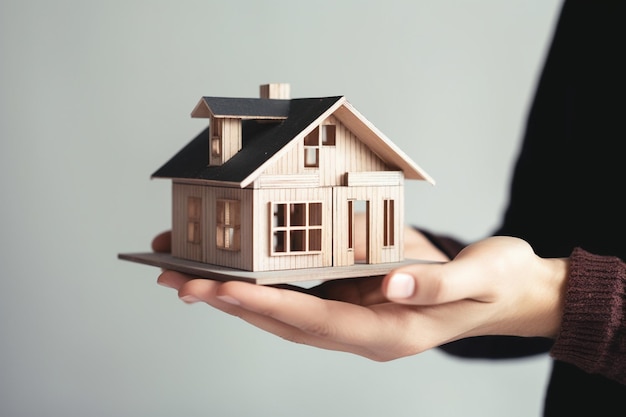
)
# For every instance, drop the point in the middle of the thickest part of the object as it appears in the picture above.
(260, 141)
(247, 107)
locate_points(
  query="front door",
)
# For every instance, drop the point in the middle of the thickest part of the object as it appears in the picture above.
(352, 217)
(359, 230)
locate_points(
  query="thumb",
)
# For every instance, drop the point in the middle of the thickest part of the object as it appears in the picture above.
(429, 284)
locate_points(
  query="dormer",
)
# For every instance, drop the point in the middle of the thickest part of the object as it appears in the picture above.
(226, 116)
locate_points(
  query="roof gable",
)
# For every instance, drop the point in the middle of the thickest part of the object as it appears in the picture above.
(379, 143)
(264, 141)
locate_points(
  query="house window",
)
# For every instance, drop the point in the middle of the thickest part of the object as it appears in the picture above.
(328, 135)
(296, 227)
(323, 135)
(216, 146)
(216, 137)
(228, 225)
(388, 223)
(194, 210)
(312, 149)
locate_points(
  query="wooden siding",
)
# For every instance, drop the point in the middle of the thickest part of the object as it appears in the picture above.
(206, 251)
(180, 246)
(351, 155)
(288, 181)
(379, 178)
(348, 154)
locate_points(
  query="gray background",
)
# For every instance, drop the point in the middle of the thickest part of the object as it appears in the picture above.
(95, 95)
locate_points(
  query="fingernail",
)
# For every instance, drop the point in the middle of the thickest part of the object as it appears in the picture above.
(401, 286)
(189, 299)
(228, 299)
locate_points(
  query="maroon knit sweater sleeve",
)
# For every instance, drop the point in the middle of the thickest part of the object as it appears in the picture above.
(593, 329)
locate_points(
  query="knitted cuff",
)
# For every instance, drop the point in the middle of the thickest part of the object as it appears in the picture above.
(592, 334)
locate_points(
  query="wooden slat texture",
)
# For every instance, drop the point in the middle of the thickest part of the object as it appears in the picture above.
(288, 181)
(378, 178)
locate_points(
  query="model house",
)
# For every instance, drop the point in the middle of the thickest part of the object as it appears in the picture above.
(270, 190)
(273, 184)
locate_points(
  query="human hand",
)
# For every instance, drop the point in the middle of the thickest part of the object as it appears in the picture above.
(496, 286)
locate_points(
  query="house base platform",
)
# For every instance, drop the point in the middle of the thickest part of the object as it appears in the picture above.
(220, 273)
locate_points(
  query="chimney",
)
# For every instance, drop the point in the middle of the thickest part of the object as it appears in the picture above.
(275, 91)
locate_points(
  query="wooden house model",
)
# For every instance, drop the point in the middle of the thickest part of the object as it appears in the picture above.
(272, 184)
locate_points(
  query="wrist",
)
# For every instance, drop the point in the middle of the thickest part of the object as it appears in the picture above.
(556, 280)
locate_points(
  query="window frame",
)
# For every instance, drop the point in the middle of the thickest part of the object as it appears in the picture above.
(389, 223)
(324, 135)
(194, 220)
(296, 227)
(228, 224)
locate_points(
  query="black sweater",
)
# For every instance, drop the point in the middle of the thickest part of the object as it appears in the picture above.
(567, 200)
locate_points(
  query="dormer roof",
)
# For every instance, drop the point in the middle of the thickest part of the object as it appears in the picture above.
(242, 108)
(260, 141)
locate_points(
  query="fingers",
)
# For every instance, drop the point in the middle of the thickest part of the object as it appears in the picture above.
(477, 293)
(367, 331)
(313, 316)
(291, 315)
(173, 279)
(204, 290)
(379, 332)
(162, 242)
(191, 289)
